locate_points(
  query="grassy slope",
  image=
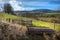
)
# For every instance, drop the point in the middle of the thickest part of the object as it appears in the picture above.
(5, 15)
(43, 24)
(52, 13)
(46, 24)
(34, 22)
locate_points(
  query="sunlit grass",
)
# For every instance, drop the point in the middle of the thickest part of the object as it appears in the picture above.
(46, 24)
(43, 24)
(5, 15)
(34, 22)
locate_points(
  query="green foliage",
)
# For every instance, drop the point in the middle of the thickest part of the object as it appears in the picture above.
(8, 9)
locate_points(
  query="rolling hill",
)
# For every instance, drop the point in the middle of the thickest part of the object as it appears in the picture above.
(37, 11)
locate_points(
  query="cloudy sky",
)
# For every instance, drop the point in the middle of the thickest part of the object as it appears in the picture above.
(32, 4)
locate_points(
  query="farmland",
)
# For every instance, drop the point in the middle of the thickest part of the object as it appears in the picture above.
(16, 29)
(43, 24)
(5, 15)
(45, 21)
(29, 20)
(35, 22)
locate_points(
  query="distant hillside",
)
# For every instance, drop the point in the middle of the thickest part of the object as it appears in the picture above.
(37, 11)
(43, 10)
(20, 12)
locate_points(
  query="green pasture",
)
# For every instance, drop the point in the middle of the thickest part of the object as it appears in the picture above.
(5, 15)
(43, 24)
(46, 24)
(35, 22)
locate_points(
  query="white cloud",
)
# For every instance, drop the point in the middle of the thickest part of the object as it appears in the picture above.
(1, 1)
(16, 5)
(29, 8)
(1, 9)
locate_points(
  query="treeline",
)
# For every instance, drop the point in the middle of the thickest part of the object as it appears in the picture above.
(41, 16)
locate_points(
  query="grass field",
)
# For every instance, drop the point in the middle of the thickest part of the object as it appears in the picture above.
(5, 15)
(46, 24)
(43, 24)
(34, 22)
(52, 13)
